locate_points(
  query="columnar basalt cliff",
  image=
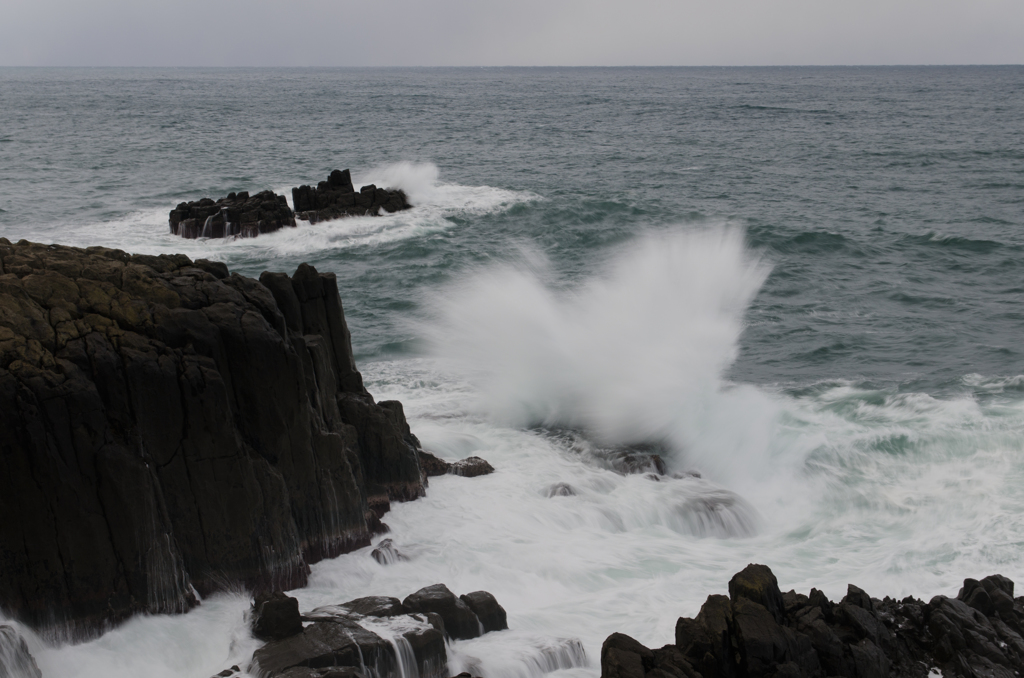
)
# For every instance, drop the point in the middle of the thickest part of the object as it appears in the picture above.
(168, 427)
(337, 197)
(239, 214)
(758, 631)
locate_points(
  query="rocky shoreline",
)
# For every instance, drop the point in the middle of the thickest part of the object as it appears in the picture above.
(169, 428)
(758, 631)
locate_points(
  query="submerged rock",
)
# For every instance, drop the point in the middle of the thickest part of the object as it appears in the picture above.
(386, 553)
(560, 490)
(166, 428)
(758, 631)
(336, 197)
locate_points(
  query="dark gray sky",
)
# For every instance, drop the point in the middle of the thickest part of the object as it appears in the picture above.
(505, 32)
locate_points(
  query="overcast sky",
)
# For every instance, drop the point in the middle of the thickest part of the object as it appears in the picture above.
(506, 32)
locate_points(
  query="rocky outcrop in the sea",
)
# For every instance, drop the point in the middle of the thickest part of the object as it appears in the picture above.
(242, 215)
(378, 636)
(169, 428)
(470, 467)
(239, 214)
(336, 197)
(759, 631)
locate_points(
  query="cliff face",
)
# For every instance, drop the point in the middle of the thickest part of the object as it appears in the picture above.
(166, 425)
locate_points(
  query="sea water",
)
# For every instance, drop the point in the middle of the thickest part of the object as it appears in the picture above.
(803, 286)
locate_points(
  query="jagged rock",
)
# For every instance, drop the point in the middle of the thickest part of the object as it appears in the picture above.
(459, 620)
(625, 657)
(165, 427)
(15, 659)
(386, 553)
(275, 616)
(470, 467)
(759, 632)
(239, 214)
(337, 197)
(432, 465)
(486, 608)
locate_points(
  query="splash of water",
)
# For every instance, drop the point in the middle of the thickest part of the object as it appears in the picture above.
(633, 355)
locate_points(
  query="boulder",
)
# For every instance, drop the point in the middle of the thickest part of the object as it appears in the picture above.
(336, 197)
(275, 616)
(491, 615)
(168, 428)
(459, 620)
(470, 467)
(239, 214)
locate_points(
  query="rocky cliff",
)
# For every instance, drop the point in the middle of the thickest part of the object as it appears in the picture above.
(167, 428)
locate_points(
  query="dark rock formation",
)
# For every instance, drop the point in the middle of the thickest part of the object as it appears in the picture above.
(164, 426)
(433, 466)
(15, 659)
(275, 616)
(239, 214)
(760, 631)
(470, 467)
(486, 608)
(337, 197)
(376, 636)
(386, 553)
(459, 620)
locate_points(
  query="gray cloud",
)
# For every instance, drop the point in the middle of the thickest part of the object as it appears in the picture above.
(525, 32)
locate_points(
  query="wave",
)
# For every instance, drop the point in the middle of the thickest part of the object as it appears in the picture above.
(632, 355)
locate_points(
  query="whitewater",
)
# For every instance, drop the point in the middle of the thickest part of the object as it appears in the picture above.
(830, 374)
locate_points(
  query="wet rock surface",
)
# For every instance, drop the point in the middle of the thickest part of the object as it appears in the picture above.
(247, 216)
(239, 214)
(336, 197)
(166, 425)
(486, 608)
(15, 659)
(470, 467)
(376, 636)
(275, 616)
(459, 620)
(759, 631)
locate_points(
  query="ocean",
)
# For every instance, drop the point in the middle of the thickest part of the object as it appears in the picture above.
(803, 286)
